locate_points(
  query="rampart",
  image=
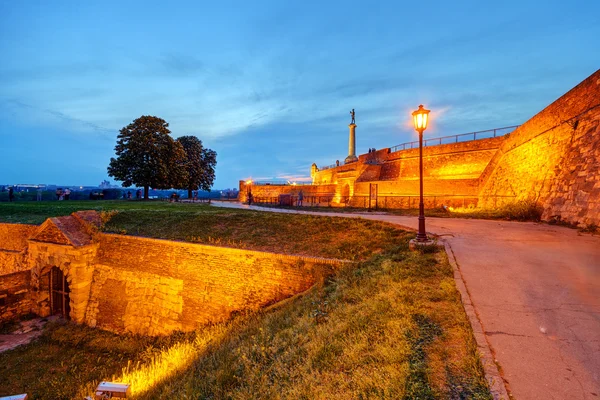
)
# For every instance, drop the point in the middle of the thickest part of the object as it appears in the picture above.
(145, 286)
(552, 159)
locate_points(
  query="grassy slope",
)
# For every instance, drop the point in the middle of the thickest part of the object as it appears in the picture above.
(391, 326)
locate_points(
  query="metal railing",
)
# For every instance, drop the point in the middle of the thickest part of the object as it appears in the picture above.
(463, 137)
(279, 183)
(374, 202)
(308, 201)
(329, 167)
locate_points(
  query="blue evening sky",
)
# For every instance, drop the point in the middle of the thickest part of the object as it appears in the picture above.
(269, 84)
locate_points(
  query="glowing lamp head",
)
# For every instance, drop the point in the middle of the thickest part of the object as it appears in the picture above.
(249, 182)
(420, 118)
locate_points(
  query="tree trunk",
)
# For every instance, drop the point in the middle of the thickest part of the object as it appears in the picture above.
(146, 192)
(190, 194)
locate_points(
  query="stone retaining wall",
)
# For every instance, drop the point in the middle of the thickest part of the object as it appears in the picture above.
(13, 246)
(152, 286)
(15, 295)
(14, 236)
(144, 286)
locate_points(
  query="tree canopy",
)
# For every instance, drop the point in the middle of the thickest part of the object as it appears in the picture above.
(148, 156)
(199, 163)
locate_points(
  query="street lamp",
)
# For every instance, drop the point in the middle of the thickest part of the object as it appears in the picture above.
(249, 191)
(420, 118)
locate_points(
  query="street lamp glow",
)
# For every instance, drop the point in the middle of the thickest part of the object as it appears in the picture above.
(249, 182)
(420, 118)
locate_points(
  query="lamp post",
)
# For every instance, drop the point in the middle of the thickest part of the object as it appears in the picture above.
(249, 191)
(420, 118)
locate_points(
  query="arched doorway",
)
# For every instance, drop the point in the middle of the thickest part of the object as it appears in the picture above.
(59, 293)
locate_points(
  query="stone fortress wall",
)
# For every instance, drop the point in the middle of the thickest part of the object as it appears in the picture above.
(13, 244)
(553, 159)
(15, 295)
(147, 286)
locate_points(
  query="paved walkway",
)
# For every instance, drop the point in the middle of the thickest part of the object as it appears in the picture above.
(536, 290)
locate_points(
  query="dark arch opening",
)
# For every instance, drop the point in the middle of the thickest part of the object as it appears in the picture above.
(59, 293)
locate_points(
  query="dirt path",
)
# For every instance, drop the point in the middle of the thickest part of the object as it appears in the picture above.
(536, 290)
(25, 333)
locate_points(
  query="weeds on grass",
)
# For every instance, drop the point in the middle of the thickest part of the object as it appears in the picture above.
(522, 210)
(591, 228)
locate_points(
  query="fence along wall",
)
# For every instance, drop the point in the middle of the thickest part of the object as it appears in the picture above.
(554, 158)
(273, 191)
(154, 287)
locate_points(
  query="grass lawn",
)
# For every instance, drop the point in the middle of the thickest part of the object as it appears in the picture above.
(33, 212)
(389, 326)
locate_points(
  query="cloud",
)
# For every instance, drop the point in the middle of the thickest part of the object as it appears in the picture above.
(41, 116)
(182, 65)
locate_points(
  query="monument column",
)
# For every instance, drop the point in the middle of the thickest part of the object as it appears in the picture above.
(351, 141)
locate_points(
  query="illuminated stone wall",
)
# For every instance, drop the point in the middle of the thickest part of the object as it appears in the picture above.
(464, 160)
(273, 191)
(14, 236)
(554, 158)
(15, 296)
(451, 177)
(76, 263)
(151, 286)
(148, 286)
(13, 244)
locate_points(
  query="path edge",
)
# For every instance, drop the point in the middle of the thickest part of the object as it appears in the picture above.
(490, 369)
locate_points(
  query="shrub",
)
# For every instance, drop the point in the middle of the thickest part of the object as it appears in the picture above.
(522, 210)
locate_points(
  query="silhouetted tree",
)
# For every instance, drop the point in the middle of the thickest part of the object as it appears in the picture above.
(200, 165)
(148, 156)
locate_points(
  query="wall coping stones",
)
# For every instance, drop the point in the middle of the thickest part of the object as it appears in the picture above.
(218, 249)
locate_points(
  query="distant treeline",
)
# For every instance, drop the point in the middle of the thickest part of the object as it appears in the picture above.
(110, 194)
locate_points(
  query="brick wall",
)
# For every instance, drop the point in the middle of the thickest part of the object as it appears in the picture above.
(151, 286)
(553, 158)
(15, 296)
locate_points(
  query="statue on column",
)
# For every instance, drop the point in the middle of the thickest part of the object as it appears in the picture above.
(352, 114)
